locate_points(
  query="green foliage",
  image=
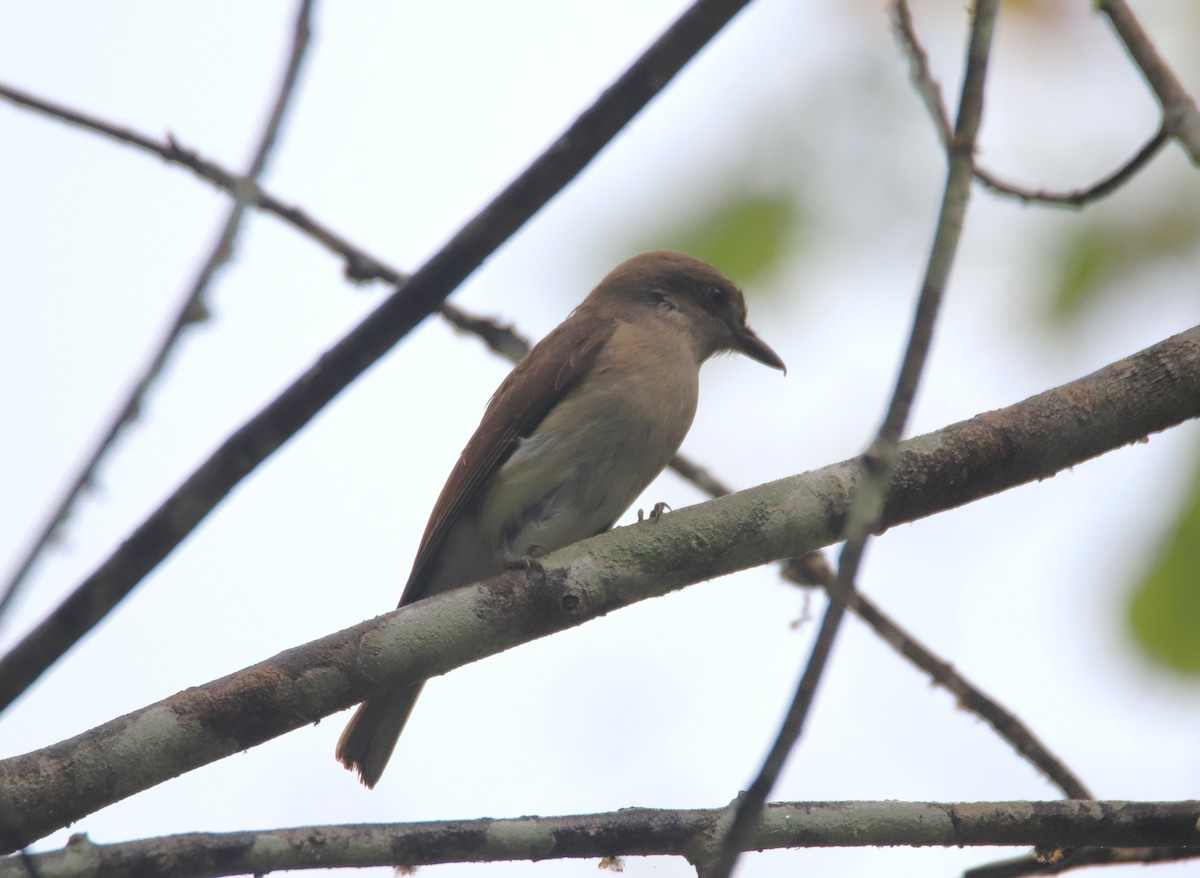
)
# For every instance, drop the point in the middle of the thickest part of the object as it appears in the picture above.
(1165, 610)
(1104, 249)
(746, 235)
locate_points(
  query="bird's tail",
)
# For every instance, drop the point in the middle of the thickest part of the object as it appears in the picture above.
(370, 737)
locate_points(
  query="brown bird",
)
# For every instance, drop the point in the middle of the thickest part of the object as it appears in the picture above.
(569, 440)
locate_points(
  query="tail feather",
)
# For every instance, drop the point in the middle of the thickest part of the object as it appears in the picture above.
(371, 735)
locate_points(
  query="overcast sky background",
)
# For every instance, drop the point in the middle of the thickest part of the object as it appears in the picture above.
(408, 118)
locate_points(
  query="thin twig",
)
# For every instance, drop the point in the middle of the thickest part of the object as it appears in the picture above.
(1005, 724)
(360, 265)
(259, 437)
(921, 71)
(879, 462)
(930, 92)
(699, 476)
(1080, 858)
(1080, 197)
(814, 569)
(192, 310)
(1181, 119)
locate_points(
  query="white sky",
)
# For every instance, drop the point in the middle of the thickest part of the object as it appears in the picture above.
(407, 120)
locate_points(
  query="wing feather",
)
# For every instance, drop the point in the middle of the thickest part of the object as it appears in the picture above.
(519, 404)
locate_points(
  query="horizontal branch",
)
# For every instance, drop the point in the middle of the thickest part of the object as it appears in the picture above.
(628, 832)
(1032, 440)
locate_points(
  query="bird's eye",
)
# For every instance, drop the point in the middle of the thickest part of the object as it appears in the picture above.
(718, 298)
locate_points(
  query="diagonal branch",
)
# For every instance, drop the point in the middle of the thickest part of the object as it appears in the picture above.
(879, 462)
(192, 310)
(931, 94)
(360, 264)
(921, 71)
(1155, 826)
(813, 569)
(259, 437)
(1032, 440)
(1181, 118)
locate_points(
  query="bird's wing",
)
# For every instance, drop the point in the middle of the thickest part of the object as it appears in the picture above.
(519, 404)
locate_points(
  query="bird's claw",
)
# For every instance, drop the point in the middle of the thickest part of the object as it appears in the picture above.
(656, 512)
(528, 561)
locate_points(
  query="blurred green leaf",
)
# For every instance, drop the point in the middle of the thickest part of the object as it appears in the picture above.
(746, 236)
(1102, 250)
(1165, 611)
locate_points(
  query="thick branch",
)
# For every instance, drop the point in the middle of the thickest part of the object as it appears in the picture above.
(628, 832)
(259, 437)
(1032, 440)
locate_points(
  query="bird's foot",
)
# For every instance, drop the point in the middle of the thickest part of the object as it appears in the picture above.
(656, 512)
(528, 561)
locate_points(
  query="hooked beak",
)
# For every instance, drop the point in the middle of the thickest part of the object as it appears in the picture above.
(746, 342)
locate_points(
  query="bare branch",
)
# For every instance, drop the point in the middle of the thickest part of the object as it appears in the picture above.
(628, 832)
(1032, 440)
(878, 464)
(927, 87)
(191, 311)
(922, 73)
(1080, 858)
(1181, 119)
(1080, 197)
(259, 437)
(814, 569)
(361, 265)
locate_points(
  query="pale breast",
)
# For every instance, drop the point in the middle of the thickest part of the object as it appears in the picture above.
(600, 446)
